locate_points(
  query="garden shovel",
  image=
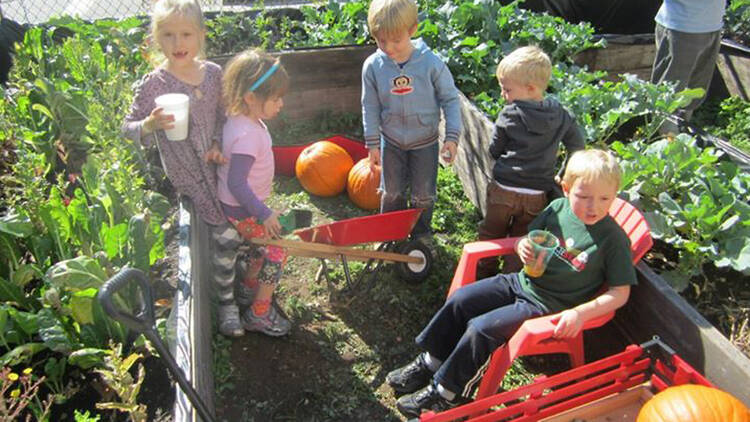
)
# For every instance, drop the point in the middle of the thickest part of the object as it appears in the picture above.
(145, 323)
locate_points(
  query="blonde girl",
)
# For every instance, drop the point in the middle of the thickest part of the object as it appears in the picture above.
(253, 85)
(178, 34)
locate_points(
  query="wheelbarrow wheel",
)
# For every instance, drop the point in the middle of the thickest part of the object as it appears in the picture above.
(414, 273)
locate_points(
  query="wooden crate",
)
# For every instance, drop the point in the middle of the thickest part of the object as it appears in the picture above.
(621, 407)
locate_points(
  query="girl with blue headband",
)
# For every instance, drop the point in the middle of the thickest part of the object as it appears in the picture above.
(253, 86)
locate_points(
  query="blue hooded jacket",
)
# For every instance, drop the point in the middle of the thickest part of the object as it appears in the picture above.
(403, 103)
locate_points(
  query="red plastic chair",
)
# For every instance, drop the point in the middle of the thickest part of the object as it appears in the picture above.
(535, 335)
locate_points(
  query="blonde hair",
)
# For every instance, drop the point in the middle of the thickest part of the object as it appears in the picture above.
(388, 17)
(165, 9)
(526, 65)
(593, 165)
(243, 71)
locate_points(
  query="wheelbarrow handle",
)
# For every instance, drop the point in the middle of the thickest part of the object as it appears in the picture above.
(140, 322)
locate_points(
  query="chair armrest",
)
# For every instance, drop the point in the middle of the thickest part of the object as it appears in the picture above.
(466, 271)
(540, 330)
(545, 325)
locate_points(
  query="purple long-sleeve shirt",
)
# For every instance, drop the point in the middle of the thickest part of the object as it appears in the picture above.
(183, 161)
(239, 168)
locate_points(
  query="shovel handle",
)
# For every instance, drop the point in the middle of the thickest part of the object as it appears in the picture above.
(143, 320)
(144, 323)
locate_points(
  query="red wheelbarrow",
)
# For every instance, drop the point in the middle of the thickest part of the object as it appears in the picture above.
(336, 241)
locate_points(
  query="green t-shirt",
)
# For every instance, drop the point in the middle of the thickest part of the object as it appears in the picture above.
(587, 257)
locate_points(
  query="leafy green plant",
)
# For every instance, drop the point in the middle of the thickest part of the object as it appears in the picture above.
(335, 23)
(85, 416)
(222, 364)
(602, 107)
(737, 21)
(76, 205)
(116, 375)
(730, 121)
(693, 200)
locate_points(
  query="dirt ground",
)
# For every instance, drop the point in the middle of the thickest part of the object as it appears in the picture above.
(333, 364)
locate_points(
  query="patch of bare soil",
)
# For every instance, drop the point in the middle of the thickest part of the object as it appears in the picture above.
(333, 364)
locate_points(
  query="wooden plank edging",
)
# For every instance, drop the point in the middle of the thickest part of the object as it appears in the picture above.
(655, 308)
(193, 314)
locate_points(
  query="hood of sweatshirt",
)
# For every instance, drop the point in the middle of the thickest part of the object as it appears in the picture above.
(534, 118)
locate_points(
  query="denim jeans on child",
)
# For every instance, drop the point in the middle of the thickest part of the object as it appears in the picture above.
(474, 321)
(412, 172)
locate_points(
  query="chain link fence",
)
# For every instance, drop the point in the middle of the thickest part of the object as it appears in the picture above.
(40, 11)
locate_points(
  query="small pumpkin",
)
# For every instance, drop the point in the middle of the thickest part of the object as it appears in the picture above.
(693, 403)
(322, 168)
(363, 183)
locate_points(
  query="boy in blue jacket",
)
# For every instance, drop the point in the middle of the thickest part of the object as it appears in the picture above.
(404, 87)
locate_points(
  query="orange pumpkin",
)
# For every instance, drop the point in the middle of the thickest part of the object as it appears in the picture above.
(363, 183)
(693, 403)
(322, 168)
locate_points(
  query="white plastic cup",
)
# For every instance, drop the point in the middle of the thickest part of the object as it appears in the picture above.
(177, 105)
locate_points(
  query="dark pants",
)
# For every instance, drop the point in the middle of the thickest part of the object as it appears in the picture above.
(473, 322)
(686, 58)
(508, 214)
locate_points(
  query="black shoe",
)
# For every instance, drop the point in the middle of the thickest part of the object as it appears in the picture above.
(411, 377)
(428, 398)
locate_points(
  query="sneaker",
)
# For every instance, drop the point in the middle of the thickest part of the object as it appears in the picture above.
(428, 398)
(229, 321)
(271, 324)
(411, 377)
(243, 295)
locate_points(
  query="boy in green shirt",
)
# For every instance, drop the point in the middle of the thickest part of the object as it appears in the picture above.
(482, 316)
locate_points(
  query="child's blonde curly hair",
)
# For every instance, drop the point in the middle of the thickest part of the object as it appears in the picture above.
(526, 65)
(242, 73)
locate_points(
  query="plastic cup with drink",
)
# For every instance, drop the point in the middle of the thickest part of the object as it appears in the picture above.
(177, 105)
(543, 245)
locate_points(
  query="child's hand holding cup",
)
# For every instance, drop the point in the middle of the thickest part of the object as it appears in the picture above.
(541, 248)
(178, 105)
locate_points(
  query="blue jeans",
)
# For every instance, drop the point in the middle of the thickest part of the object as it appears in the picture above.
(474, 321)
(414, 171)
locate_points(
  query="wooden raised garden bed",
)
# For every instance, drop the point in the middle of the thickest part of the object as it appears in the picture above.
(330, 79)
(734, 65)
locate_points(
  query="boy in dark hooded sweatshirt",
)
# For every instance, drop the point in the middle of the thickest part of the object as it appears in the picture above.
(525, 144)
